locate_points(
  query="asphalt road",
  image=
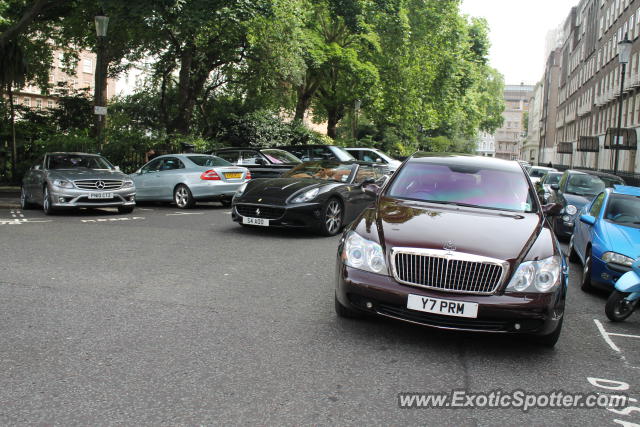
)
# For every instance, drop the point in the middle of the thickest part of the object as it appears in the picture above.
(168, 317)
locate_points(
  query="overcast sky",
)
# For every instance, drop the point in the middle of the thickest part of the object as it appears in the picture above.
(517, 31)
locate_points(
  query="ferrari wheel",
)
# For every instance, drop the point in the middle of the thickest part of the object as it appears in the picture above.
(332, 218)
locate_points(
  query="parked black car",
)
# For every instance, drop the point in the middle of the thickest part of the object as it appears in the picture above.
(320, 195)
(543, 186)
(308, 153)
(261, 162)
(575, 189)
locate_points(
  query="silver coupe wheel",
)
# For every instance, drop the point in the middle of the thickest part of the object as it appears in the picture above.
(182, 197)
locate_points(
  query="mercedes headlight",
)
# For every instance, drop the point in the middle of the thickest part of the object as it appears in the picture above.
(363, 254)
(617, 259)
(571, 210)
(127, 183)
(306, 196)
(537, 276)
(62, 183)
(240, 191)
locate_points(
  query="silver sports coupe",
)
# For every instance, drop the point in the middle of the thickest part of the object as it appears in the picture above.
(188, 178)
(76, 180)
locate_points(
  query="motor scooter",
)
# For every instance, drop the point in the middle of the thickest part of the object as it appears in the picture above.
(626, 295)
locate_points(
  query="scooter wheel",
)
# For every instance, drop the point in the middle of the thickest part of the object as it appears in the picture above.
(618, 308)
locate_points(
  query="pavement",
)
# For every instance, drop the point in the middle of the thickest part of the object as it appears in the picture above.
(9, 197)
(170, 317)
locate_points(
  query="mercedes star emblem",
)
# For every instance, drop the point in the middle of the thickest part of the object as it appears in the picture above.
(99, 185)
(258, 212)
(449, 246)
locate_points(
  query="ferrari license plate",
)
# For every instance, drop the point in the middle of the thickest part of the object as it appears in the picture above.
(233, 175)
(255, 221)
(101, 195)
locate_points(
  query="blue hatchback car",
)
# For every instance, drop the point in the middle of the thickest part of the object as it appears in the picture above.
(606, 239)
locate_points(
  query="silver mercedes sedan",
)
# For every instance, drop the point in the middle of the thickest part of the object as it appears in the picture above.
(76, 180)
(188, 178)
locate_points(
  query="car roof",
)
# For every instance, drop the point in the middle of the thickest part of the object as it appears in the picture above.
(544, 168)
(626, 190)
(72, 153)
(590, 172)
(466, 160)
(307, 146)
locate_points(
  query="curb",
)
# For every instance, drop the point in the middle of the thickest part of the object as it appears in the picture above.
(10, 205)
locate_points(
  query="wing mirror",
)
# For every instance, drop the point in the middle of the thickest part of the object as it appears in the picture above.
(368, 181)
(36, 167)
(116, 168)
(552, 209)
(260, 162)
(555, 187)
(588, 219)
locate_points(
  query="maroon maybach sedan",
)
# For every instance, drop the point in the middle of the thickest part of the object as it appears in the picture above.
(456, 242)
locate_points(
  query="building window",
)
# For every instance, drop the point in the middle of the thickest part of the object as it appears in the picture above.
(39, 104)
(27, 102)
(49, 103)
(87, 66)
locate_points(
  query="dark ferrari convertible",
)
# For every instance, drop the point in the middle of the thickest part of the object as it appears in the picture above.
(321, 195)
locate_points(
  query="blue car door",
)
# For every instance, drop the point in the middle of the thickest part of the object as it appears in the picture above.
(583, 233)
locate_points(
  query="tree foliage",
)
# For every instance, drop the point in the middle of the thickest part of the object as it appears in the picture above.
(249, 71)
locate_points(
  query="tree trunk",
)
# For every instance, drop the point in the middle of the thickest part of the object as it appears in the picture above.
(190, 84)
(14, 147)
(100, 91)
(334, 115)
(303, 103)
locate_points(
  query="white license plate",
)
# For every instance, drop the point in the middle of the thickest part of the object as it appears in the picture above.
(101, 195)
(255, 221)
(445, 307)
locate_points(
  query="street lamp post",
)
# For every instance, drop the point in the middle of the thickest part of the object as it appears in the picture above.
(624, 52)
(102, 22)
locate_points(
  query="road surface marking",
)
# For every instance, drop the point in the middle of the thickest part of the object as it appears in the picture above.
(184, 213)
(623, 335)
(112, 219)
(605, 335)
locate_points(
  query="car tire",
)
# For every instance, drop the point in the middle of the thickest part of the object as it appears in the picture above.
(573, 256)
(551, 339)
(25, 204)
(182, 197)
(586, 273)
(332, 217)
(616, 308)
(46, 202)
(345, 312)
(125, 209)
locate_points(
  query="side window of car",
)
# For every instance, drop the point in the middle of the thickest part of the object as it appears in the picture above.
(596, 206)
(301, 153)
(365, 172)
(249, 158)
(356, 153)
(171, 163)
(321, 153)
(152, 166)
(370, 156)
(563, 181)
(229, 156)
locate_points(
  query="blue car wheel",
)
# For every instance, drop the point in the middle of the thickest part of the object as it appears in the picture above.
(586, 273)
